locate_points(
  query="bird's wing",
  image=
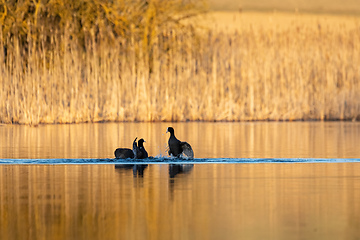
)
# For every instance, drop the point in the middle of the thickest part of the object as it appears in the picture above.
(135, 143)
(187, 150)
(135, 149)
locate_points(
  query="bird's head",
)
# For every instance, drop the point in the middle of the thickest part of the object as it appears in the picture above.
(170, 130)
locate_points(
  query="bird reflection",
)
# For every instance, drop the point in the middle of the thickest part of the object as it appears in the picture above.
(175, 169)
(138, 169)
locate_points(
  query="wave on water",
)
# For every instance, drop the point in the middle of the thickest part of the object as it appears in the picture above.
(168, 160)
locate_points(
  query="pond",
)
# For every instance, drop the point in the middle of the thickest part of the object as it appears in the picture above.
(208, 140)
(255, 180)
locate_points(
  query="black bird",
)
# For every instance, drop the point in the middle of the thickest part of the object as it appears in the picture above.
(176, 147)
(138, 152)
(124, 153)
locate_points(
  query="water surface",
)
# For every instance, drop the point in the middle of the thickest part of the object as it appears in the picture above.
(209, 140)
(262, 180)
(167, 201)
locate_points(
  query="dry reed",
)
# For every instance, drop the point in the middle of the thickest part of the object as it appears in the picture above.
(296, 73)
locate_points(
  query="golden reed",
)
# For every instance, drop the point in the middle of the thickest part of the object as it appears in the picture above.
(297, 73)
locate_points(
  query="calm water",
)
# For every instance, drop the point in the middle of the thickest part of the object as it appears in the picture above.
(209, 140)
(270, 181)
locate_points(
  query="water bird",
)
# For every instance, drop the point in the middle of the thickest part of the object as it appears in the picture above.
(176, 147)
(137, 152)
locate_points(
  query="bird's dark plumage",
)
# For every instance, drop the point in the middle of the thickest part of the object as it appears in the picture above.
(138, 152)
(176, 147)
(124, 153)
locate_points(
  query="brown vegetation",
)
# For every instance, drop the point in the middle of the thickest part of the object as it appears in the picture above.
(298, 72)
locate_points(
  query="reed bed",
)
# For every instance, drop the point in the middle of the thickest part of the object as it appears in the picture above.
(301, 72)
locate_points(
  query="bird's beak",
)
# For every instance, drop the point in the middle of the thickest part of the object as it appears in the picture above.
(167, 130)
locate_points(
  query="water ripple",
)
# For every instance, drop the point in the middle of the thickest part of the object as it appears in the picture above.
(167, 160)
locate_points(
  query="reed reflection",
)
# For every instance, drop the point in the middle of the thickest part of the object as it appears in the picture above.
(208, 140)
(250, 201)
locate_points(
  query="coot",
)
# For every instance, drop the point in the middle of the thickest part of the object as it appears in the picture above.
(138, 151)
(176, 147)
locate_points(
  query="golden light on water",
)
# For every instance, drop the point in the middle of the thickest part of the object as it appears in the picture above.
(210, 201)
(209, 140)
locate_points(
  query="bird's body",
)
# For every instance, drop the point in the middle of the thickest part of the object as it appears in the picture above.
(177, 147)
(124, 153)
(138, 152)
